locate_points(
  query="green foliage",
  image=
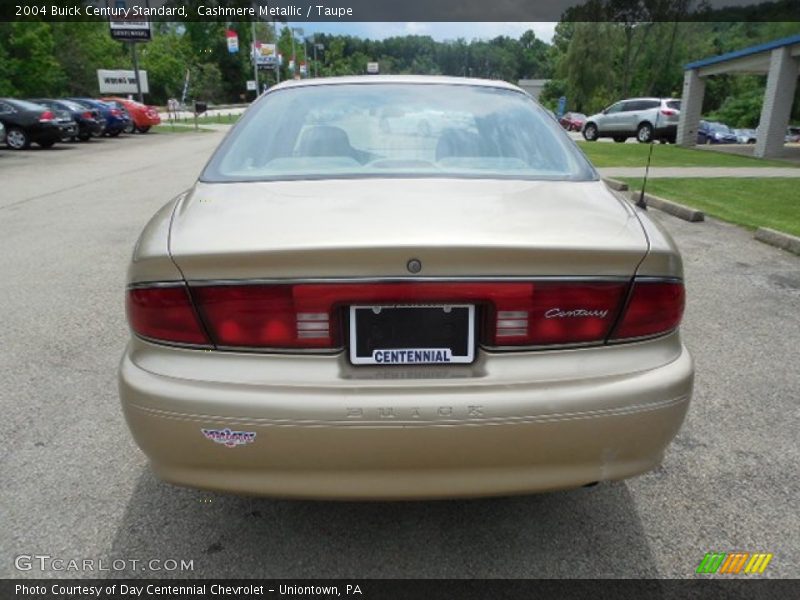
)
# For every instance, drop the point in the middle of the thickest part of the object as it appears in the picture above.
(591, 63)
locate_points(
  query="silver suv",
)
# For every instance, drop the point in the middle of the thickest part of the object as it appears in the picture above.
(647, 119)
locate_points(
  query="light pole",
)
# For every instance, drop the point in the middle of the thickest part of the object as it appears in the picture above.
(299, 31)
(255, 58)
(316, 63)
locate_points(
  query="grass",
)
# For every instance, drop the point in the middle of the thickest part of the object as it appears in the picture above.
(604, 154)
(772, 202)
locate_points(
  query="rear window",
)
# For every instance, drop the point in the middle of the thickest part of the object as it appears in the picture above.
(674, 104)
(25, 105)
(396, 130)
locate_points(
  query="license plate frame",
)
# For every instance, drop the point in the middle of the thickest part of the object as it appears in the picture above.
(460, 349)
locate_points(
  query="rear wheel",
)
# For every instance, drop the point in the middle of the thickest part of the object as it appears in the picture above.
(17, 139)
(620, 139)
(130, 127)
(590, 132)
(114, 133)
(644, 134)
(144, 129)
(46, 143)
(84, 136)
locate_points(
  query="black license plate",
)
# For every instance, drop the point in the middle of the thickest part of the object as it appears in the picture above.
(405, 335)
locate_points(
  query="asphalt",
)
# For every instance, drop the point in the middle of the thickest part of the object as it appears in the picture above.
(74, 485)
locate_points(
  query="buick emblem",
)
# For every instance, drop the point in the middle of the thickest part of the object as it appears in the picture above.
(414, 266)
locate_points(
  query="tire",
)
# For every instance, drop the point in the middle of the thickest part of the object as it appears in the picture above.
(114, 133)
(644, 133)
(130, 127)
(619, 139)
(590, 133)
(144, 129)
(17, 139)
(85, 136)
(46, 144)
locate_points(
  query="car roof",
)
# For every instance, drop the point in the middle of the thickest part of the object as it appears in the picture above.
(403, 79)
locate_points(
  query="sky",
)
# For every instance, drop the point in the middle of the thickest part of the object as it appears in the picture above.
(438, 31)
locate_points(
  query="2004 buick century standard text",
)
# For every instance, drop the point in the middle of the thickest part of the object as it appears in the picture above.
(402, 287)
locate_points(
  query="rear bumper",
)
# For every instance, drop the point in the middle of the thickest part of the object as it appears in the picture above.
(340, 432)
(667, 130)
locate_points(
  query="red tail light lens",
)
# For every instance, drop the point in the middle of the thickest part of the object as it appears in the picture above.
(306, 316)
(655, 307)
(525, 313)
(46, 117)
(164, 314)
(556, 313)
(87, 115)
(263, 317)
(668, 112)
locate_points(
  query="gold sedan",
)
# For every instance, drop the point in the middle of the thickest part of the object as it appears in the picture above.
(402, 287)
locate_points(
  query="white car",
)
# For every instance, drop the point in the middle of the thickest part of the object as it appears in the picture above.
(647, 119)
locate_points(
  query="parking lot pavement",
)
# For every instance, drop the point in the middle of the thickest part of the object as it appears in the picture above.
(75, 485)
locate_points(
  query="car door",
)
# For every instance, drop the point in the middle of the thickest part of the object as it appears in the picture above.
(630, 116)
(6, 114)
(610, 121)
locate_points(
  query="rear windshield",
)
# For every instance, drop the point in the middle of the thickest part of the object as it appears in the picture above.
(396, 130)
(25, 105)
(674, 104)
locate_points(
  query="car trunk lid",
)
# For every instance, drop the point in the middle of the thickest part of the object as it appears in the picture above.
(373, 227)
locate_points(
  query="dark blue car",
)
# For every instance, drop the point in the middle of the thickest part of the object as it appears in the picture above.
(117, 120)
(715, 133)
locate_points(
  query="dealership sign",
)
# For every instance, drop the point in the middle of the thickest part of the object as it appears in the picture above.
(127, 25)
(233, 41)
(265, 55)
(121, 82)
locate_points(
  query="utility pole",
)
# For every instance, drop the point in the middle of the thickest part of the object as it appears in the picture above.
(255, 60)
(136, 73)
(277, 52)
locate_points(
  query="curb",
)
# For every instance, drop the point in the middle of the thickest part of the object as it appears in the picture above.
(668, 206)
(616, 184)
(785, 241)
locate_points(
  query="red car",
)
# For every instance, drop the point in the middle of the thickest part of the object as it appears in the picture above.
(573, 121)
(143, 116)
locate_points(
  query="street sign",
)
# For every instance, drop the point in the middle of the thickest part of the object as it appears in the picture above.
(373, 68)
(132, 28)
(251, 85)
(121, 81)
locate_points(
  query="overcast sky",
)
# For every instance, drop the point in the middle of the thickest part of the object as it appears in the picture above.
(438, 31)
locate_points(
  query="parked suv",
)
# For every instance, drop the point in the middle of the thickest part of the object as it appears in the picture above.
(647, 119)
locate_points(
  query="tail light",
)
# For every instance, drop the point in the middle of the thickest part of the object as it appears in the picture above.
(556, 313)
(164, 314)
(87, 115)
(47, 117)
(264, 316)
(307, 316)
(654, 307)
(668, 112)
(115, 112)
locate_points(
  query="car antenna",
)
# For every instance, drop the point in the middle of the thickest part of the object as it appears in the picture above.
(641, 202)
